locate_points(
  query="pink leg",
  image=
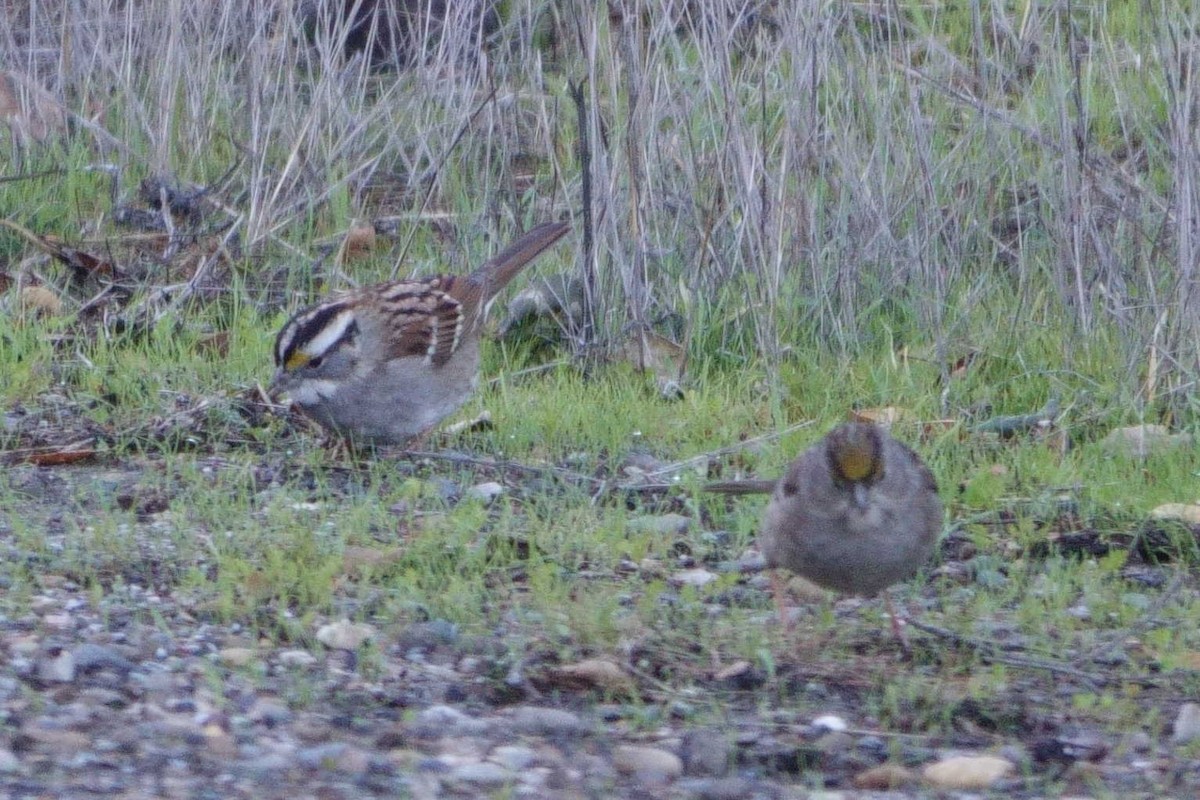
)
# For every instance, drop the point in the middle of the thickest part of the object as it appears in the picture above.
(897, 629)
(777, 589)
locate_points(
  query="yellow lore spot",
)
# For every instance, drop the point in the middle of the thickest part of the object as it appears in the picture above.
(296, 360)
(856, 463)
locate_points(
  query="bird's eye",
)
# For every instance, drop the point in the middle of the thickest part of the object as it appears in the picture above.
(315, 362)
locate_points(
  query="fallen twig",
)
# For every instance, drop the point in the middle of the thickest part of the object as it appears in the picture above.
(989, 653)
(721, 452)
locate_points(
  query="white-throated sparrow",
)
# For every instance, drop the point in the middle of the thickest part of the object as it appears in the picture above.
(856, 512)
(385, 363)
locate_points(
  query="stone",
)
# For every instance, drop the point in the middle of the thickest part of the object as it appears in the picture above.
(541, 721)
(481, 773)
(345, 635)
(696, 577)
(885, 777)
(705, 752)
(485, 492)
(967, 772)
(650, 765)
(723, 789)
(237, 656)
(442, 716)
(56, 666)
(294, 659)
(515, 758)
(1187, 724)
(831, 723)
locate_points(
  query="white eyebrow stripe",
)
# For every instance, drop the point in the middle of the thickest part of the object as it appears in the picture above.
(330, 334)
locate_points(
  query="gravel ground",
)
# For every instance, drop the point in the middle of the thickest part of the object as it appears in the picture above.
(127, 691)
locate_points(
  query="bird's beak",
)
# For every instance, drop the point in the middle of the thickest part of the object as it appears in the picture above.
(277, 385)
(862, 495)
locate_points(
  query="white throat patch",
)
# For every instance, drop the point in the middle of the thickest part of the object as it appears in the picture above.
(312, 391)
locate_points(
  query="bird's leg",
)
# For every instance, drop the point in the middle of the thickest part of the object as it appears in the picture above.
(339, 448)
(897, 623)
(778, 588)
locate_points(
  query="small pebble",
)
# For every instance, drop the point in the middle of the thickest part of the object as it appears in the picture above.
(57, 666)
(513, 757)
(271, 713)
(296, 658)
(60, 622)
(885, 777)
(323, 756)
(443, 716)
(345, 635)
(831, 723)
(693, 577)
(967, 772)
(1139, 742)
(705, 752)
(541, 721)
(724, 789)
(1187, 724)
(485, 492)
(650, 765)
(482, 773)
(237, 656)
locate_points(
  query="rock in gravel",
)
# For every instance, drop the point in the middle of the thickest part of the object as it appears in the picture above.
(96, 696)
(58, 622)
(650, 765)
(345, 635)
(437, 721)
(967, 772)
(540, 721)
(1139, 742)
(599, 673)
(705, 752)
(294, 659)
(835, 746)
(335, 756)
(45, 737)
(271, 713)
(442, 717)
(89, 656)
(697, 577)
(218, 744)
(513, 757)
(8, 761)
(481, 774)
(830, 723)
(1187, 724)
(884, 777)
(485, 492)
(427, 635)
(724, 789)
(57, 665)
(237, 656)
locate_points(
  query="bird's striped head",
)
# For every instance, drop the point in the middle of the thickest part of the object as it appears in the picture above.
(855, 453)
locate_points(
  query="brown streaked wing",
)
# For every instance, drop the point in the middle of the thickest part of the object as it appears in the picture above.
(432, 319)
